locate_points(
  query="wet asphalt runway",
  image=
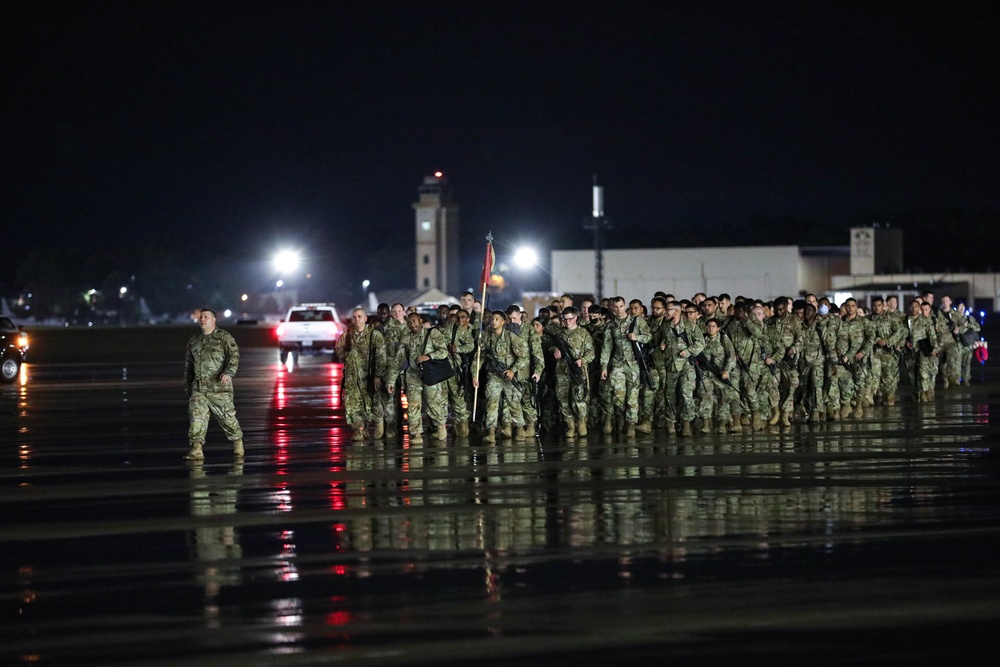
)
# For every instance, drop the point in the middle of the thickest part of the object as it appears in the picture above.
(871, 541)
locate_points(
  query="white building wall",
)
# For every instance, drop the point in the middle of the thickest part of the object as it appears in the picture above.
(762, 272)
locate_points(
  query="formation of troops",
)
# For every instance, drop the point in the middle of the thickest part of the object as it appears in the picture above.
(705, 364)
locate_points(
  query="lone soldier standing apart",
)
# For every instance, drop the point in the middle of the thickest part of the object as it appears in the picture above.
(211, 362)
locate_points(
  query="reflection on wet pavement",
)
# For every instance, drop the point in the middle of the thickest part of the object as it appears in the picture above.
(546, 552)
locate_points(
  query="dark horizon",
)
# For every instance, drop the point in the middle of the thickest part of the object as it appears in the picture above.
(235, 128)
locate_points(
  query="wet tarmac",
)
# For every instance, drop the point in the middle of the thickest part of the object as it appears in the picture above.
(866, 541)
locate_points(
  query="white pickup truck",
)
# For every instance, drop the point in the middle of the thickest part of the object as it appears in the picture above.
(309, 328)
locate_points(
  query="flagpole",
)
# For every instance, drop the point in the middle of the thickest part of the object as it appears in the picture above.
(485, 280)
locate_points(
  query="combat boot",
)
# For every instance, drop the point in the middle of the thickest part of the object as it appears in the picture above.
(195, 453)
(390, 431)
(832, 414)
(644, 427)
(736, 426)
(238, 448)
(816, 417)
(723, 429)
(630, 431)
(529, 430)
(890, 399)
(490, 436)
(581, 428)
(786, 418)
(440, 433)
(505, 431)
(570, 429)
(846, 410)
(359, 431)
(859, 411)
(706, 426)
(609, 426)
(520, 434)
(745, 420)
(775, 416)
(379, 429)
(757, 423)
(461, 429)
(686, 429)
(417, 438)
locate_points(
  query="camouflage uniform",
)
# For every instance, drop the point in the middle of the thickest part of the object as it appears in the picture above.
(536, 364)
(885, 358)
(951, 348)
(784, 338)
(747, 336)
(812, 373)
(966, 323)
(208, 358)
(600, 394)
(619, 361)
(652, 409)
(571, 396)
(419, 396)
(923, 368)
(388, 407)
(719, 398)
(458, 389)
(834, 348)
(510, 351)
(852, 382)
(364, 357)
(680, 375)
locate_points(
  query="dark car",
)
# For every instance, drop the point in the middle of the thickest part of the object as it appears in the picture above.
(13, 349)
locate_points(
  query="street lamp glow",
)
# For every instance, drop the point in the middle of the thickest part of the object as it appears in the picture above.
(286, 261)
(366, 283)
(280, 283)
(525, 258)
(123, 291)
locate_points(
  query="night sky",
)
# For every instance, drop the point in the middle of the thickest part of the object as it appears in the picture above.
(226, 129)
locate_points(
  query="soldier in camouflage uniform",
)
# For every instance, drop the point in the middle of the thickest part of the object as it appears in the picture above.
(461, 343)
(417, 346)
(651, 407)
(209, 367)
(620, 366)
(951, 348)
(811, 366)
(682, 342)
(503, 355)
(747, 334)
(362, 350)
(784, 328)
(768, 381)
(391, 410)
(719, 397)
(600, 396)
(966, 322)
(923, 341)
(854, 359)
(890, 337)
(532, 373)
(572, 395)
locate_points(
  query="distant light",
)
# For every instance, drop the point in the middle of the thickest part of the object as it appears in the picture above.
(438, 174)
(227, 313)
(982, 313)
(525, 258)
(366, 283)
(286, 261)
(279, 283)
(123, 290)
(244, 297)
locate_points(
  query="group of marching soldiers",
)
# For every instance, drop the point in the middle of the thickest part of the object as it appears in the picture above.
(710, 363)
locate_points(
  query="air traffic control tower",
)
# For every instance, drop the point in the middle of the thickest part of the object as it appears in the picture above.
(437, 236)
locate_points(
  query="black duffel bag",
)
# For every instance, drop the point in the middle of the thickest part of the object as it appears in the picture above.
(434, 371)
(969, 337)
